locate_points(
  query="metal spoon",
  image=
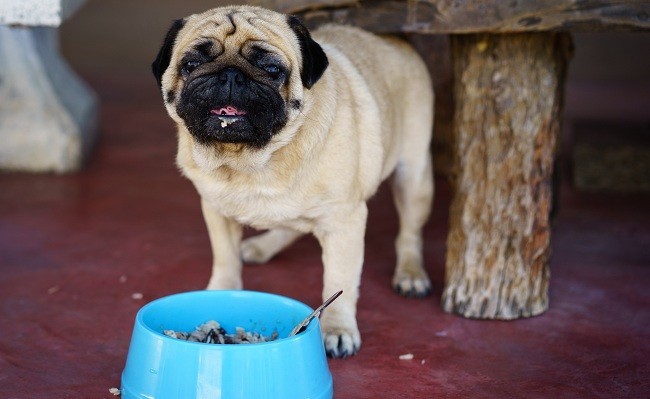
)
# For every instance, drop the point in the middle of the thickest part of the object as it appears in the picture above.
(303, 324)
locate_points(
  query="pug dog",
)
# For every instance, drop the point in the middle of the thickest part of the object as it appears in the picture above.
(292, 132)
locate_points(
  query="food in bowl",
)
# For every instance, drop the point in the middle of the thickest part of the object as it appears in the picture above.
(211, 332)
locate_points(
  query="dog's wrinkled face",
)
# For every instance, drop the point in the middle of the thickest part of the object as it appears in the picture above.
(236, 74)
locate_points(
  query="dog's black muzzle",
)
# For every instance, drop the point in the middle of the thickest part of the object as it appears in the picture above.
(229, 107)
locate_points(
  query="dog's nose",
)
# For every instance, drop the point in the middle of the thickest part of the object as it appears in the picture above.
(231, 76)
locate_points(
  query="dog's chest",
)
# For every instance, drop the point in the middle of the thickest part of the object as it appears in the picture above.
(260, 204)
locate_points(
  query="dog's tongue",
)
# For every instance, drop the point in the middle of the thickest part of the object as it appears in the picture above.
(229, 110)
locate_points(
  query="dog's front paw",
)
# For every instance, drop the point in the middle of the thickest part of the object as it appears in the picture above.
(412, 284)
(340, 341)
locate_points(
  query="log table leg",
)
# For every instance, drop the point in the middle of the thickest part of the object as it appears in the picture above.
(508, 97)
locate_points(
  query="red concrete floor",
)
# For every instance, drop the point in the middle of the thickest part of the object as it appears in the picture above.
(75, 248)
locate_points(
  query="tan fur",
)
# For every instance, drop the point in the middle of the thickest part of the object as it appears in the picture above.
(369, 116)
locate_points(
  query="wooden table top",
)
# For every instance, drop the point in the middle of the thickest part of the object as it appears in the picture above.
(462, 16)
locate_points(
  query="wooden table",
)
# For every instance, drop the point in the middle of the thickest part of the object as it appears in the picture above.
(509, 61)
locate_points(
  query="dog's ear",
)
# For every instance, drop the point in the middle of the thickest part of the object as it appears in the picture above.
(314, 60)
(160, 64)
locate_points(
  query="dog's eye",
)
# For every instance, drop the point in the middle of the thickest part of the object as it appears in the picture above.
(190, 66)
(272, 70)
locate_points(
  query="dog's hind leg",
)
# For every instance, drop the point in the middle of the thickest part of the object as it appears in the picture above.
(412, 186)
(261, 248)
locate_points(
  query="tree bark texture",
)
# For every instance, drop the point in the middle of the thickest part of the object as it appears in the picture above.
(508, 97)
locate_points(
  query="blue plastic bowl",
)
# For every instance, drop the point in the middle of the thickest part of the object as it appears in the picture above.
(160, 367)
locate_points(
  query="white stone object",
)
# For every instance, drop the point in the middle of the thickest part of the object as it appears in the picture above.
(37, 12)
(48, 116)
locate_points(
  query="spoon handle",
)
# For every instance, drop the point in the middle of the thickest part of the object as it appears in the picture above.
(303, 324)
